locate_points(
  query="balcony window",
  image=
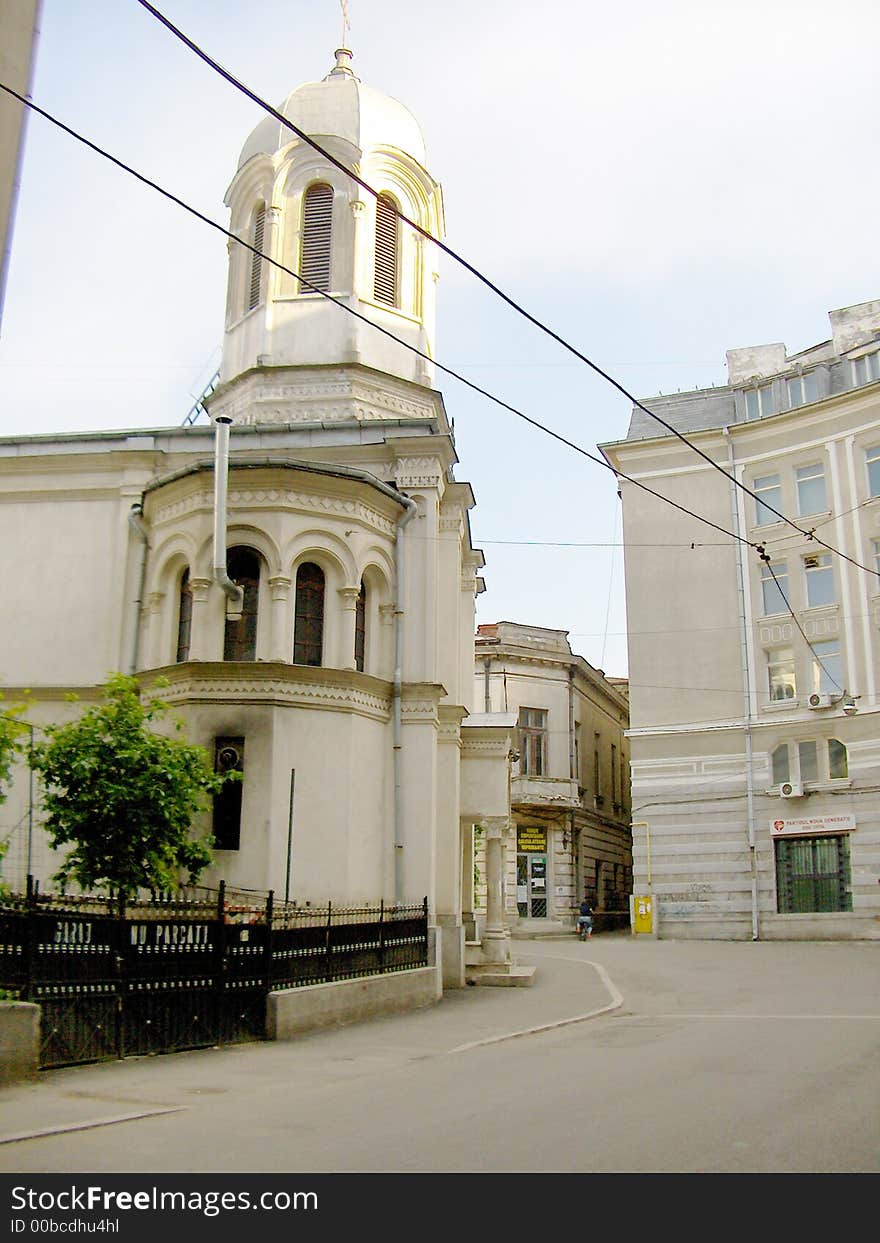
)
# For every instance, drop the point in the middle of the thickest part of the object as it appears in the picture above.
(811, 489)
(872, 458)
(827, 668)
(802, 389)
(774, 587)
(533, 742)
(759, 401)
(780, 672)
(819, 573)
(866, 369)
(768, 491)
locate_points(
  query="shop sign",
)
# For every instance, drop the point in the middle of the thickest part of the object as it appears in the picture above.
(810, 826)
(531, 840)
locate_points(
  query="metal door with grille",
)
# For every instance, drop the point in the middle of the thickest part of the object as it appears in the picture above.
(531, 886)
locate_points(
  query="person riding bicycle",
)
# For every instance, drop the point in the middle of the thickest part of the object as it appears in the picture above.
(585, 920)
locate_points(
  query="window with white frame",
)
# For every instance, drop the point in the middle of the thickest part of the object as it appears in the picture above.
(875, 550)
(759, 401)
(532, 742)
(811, 489)
(768, 491)
(802, 389)
(780, 765)
(872, 458)
(774, 587)
(827, 667)
(316, 249)
(819, 574)
(866, 368)
(780, 674)
(809, 760)
(255, 278)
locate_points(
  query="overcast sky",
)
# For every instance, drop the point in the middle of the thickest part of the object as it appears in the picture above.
(659, 183)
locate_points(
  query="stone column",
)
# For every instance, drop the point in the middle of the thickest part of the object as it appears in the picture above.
(150, 653)
(348, 598)
(280, 637)
(200, 645)
(496, 936)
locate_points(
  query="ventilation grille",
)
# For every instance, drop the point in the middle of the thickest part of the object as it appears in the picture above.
(385, 279)
(317, 225)
(257, 260)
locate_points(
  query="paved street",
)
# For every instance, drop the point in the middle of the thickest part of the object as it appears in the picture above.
(627, 1055)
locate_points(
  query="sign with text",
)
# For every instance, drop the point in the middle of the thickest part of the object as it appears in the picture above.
(531, 840)
(809, 826)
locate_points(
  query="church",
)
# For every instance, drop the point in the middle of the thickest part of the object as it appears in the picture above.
(299, 569)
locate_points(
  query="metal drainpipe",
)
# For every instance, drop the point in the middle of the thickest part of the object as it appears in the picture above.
(136, 522)
(573, 774)
(747, 699)
(221, 472)
(396, 685)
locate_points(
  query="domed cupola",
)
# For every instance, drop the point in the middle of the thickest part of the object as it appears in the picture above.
(292, 203)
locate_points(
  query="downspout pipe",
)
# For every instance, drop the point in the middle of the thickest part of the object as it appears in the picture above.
(234, 593)
(747, 697)
(136, 522)
(410, 510)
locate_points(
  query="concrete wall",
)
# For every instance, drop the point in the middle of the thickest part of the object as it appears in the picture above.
(291, 1012)
(19, 1040)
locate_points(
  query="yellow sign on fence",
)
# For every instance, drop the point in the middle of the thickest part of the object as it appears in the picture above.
(643, 913)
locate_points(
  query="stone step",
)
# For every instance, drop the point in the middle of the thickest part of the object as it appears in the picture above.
(500, 975)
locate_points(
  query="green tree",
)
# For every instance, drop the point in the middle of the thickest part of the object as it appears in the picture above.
(123, 797)
(11, 732)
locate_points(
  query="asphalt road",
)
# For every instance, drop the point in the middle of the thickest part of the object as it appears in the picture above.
(627, 1055)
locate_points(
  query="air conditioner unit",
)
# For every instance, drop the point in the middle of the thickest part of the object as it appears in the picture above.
(819, 701)
(791, 789)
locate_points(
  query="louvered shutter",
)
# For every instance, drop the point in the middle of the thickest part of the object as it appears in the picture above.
(316, 238)
(385, 278)
(259, 231)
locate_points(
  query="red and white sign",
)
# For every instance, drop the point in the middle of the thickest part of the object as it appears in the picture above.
(810, 826)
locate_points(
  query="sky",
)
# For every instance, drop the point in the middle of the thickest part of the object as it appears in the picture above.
(656, 183)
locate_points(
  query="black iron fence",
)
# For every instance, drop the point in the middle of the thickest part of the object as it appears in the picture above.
(171, 973)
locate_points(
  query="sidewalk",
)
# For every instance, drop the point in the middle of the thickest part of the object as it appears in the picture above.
(568, 988)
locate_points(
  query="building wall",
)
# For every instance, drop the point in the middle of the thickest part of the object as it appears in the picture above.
(578, 805)
(706, 718)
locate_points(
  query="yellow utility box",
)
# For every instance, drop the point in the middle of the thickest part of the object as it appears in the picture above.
(643, 913)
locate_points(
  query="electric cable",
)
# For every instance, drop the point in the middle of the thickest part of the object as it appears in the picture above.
(447, 250)
(364, 319)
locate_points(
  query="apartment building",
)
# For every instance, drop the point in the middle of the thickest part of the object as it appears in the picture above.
(753, 604)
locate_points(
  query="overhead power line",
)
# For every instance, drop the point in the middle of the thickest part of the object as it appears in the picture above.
(219, 228)
(480, 276)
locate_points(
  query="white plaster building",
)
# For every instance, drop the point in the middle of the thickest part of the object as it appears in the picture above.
(570, 785)
(312, 606)
(754, 658)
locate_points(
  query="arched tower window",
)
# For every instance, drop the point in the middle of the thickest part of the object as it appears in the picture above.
(387, 235)
(258, 233)
(184, 617)
(317, 229)
(360, 628)
(240, 640)
(308, 628)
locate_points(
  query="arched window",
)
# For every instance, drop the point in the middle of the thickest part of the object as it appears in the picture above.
(240, 641)
(258, 233)
(360, 628)
(308, 628)
(184, 617)
(317, 229)
(385, 273)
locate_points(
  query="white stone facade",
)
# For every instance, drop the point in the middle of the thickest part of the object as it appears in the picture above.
(569, 834)
(754, 657)
(362, 773)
